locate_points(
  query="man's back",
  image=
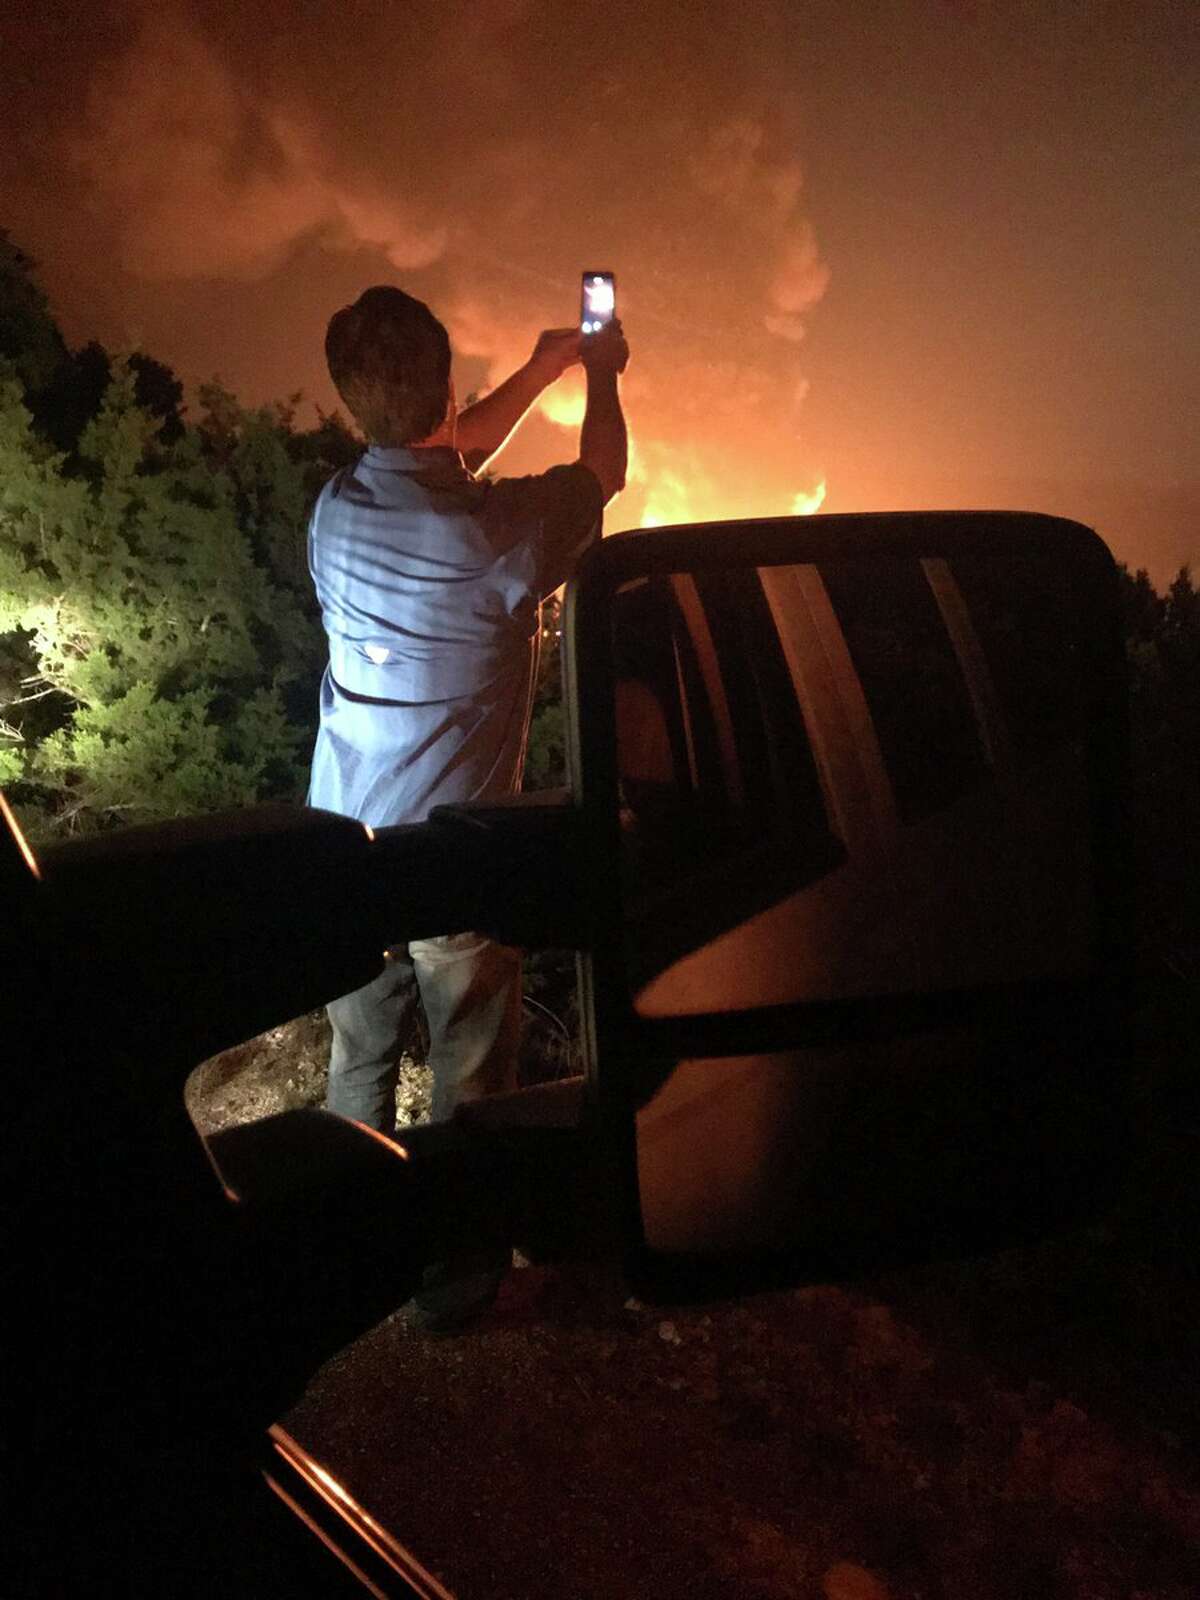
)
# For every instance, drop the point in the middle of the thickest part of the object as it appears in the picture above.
(429, 583)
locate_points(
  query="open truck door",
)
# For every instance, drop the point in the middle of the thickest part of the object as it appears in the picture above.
(859, 989)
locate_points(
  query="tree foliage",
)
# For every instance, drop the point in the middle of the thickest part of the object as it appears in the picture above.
(153, 641)
(1162, 634)
(546, 751)
(65, 405)
(159, 645)
(29, 336)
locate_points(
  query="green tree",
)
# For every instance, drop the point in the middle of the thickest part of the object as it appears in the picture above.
(276, 473)
(164, 663)
(546, 751)
(75, 393)
(29, 336)
(1162, 641)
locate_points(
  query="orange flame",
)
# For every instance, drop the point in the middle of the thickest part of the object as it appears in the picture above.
(564, 402)
(679, 486)
(809, 500)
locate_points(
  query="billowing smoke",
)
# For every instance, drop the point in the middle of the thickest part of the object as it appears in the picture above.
(482, 156)
(208, 177)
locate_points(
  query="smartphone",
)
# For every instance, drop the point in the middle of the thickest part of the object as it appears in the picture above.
(598, 301)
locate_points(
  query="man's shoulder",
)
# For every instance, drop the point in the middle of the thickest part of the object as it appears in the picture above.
(567, 487)
(332, 489)
(565, 472)
(373, 484)
(554, 514)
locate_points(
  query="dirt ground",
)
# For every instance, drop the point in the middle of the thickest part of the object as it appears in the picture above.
(1022, 1426)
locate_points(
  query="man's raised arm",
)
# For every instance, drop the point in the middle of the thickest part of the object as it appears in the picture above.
(485, 426)
(603, 443)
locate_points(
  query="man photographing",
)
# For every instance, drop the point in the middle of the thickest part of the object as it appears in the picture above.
(430, 582)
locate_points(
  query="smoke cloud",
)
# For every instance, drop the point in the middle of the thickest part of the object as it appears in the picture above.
(483, 157)
(211, 181)
(204, 176)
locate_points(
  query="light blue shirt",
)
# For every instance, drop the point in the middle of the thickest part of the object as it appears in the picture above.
(429, 582)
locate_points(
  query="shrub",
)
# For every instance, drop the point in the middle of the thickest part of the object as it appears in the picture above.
(158, 654)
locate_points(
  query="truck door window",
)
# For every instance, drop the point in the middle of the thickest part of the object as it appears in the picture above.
(769, 734)
(1029, 629)
(722, 809)
(912, 680)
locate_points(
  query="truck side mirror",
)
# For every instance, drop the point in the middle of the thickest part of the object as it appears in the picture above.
(856, 786)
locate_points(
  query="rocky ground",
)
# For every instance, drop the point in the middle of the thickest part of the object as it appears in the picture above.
(1024, 1426)
(283, 1070)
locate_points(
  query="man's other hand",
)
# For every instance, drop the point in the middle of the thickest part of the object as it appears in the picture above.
(605, 351)
(556, 350)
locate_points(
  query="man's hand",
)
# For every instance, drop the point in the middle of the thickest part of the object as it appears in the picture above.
(556, 350)
(605, 351)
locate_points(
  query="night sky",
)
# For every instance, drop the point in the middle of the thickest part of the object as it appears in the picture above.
(928, 253)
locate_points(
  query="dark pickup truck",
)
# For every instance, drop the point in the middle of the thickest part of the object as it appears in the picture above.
(845, 858)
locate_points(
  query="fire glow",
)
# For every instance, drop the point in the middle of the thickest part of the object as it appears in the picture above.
(671, 483)
(674, 484)
(671, 499)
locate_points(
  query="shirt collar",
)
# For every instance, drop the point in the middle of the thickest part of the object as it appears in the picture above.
(399, 458)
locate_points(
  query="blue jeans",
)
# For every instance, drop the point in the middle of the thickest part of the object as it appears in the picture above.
(470, 988)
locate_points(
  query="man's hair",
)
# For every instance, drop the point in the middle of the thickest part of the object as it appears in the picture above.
(389, 358)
